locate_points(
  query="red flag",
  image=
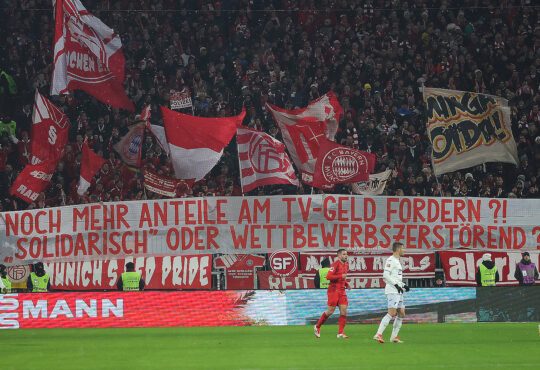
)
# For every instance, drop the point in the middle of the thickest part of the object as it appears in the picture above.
(130, 146)
(338, 164)
(90, 164)
(303, 130)
(263, 160)
(196, 143)
(50, 128)
(87, 56)
(33, 180)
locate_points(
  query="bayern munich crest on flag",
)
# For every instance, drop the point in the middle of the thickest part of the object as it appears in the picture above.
(338, 164)
(341, 164)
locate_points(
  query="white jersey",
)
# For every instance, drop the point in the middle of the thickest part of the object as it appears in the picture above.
(393, 274)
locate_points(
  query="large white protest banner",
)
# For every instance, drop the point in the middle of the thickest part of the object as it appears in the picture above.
(246, 225)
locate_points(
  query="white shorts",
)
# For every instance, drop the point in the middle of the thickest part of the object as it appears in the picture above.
(395, 300)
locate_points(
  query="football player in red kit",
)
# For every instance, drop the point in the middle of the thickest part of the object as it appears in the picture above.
(336, 294)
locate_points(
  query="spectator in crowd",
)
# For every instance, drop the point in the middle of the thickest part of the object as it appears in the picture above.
(130, 280)
(8, 91)
(375, 58)
(321, 282)
(38, 281)
(5, 283)
(526, 272)
(487, 274)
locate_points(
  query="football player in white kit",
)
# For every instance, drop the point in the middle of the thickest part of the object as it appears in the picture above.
(393, 278)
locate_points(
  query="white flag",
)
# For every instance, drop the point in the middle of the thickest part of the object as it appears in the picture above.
(375, 185)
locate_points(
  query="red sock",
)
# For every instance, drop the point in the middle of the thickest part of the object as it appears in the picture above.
(342, 321)
(322, 319)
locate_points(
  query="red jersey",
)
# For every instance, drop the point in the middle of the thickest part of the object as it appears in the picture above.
(335, 275)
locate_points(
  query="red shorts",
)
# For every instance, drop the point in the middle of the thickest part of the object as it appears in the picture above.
(337, 298)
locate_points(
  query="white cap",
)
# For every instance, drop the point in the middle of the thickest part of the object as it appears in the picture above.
(486, 257)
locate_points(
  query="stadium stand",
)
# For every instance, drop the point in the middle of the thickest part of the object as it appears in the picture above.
(375, 55)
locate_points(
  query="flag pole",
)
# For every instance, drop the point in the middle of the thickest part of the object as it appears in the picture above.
(432, 166)
(239, 165)
(145, 195)
(439, 186)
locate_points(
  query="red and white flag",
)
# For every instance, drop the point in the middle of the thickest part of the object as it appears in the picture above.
(90, 164)
(303, 130)
(263, 160)
(33, 180)
(197, 143)
(130, 146)
(50, 128)
(338, 164)
(157, 131)
(87, 56)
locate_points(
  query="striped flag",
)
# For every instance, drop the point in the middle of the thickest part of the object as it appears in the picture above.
(263, 160)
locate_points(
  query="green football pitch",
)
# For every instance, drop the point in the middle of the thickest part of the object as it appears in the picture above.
(427, 346)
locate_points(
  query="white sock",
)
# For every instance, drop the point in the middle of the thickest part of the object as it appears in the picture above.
(384, 323)
(397, 325)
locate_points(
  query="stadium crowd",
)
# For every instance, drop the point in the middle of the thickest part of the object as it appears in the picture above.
(375, 55)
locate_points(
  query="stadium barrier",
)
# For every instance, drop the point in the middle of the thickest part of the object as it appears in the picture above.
(258, 307)
(283, 270)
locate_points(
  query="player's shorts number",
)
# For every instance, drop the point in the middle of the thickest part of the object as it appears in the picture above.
(395, 300)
